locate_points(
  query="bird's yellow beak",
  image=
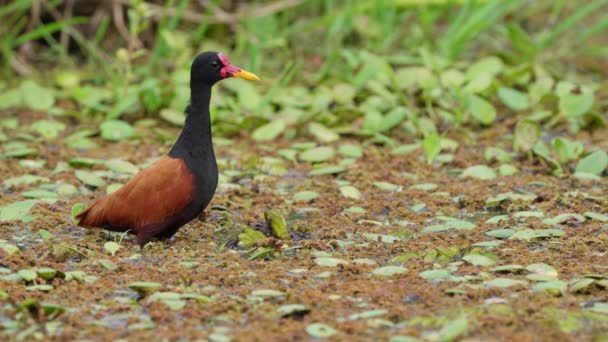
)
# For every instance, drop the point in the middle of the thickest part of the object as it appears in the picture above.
(246, 75)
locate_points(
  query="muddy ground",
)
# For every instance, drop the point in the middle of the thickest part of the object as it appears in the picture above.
(335, 266)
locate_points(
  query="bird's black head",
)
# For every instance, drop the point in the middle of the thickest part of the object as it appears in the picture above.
(210, 67)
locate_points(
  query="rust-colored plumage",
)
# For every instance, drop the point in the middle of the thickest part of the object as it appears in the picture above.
(147, 203)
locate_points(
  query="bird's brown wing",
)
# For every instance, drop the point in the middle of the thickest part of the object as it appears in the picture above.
(151, 198)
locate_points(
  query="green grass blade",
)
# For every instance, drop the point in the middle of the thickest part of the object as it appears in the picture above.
(48, 29)
(571, 21)
(16, 6)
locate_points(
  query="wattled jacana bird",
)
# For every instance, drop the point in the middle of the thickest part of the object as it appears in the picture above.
(170, 193)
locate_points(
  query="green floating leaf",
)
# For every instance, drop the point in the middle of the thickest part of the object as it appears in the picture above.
(249, 237)
(530, 234)
(262, 253)
(50, 309)
(116, 130)
(43, 288)
(450, 224)
(112, 247)
(526, 134)
(453, 329)
(497, 219)
(478, 260)
(491, 65)
(599, 308)
(67, 79)
(39, 194)
(392, 119)
(17, 211)
(277, 224)
(37, 97)
(554, 287)
(482, 110)
(45, 234)
(327, 170)
(510, 196)
(505, 282)
(121, 166)
(89, 178)
(432, 146)
(405, 149)
(27, 275)
(330, 262)
(596, 216)
(84, 162)
(541, 272)
(320, 330)
(507, 170)
(563, 218)
(424, 186)
(317, 154)
(528, 214)
(479, 171)
(567, 150)
(367, 314)
(578, 285)
(478, 84)
(514, 99)
(355, 210)
(352, 151)
(46, 273)
(145, 287)
(389, 271)
(77, 209)
(487, 244)
(501, 233)
(507, 268)
(322, 134)
(8, 248)
(350, 192)
(10, 98)
(107, 264)
(381, 237)
(269, 131)
(18, 152)
(344, 93)
(574, 105)
(435, 274)
(48, 129)
(293, 310)
(498, 154)
(24, 180)
(595, 163)
(113, 188)
(387, 186)
(267, 293)
(305, 196)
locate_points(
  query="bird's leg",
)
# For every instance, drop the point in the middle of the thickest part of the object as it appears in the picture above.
(143, 239)
(202, 216)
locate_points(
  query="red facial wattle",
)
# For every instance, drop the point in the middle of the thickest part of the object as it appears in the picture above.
(229, 70)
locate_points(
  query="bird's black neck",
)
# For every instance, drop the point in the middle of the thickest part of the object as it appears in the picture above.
(195, 143)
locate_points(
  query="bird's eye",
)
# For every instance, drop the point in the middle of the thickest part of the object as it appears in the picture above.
(215, 65)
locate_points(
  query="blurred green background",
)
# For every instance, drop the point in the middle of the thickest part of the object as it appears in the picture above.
(328, 68)
(432, 126)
